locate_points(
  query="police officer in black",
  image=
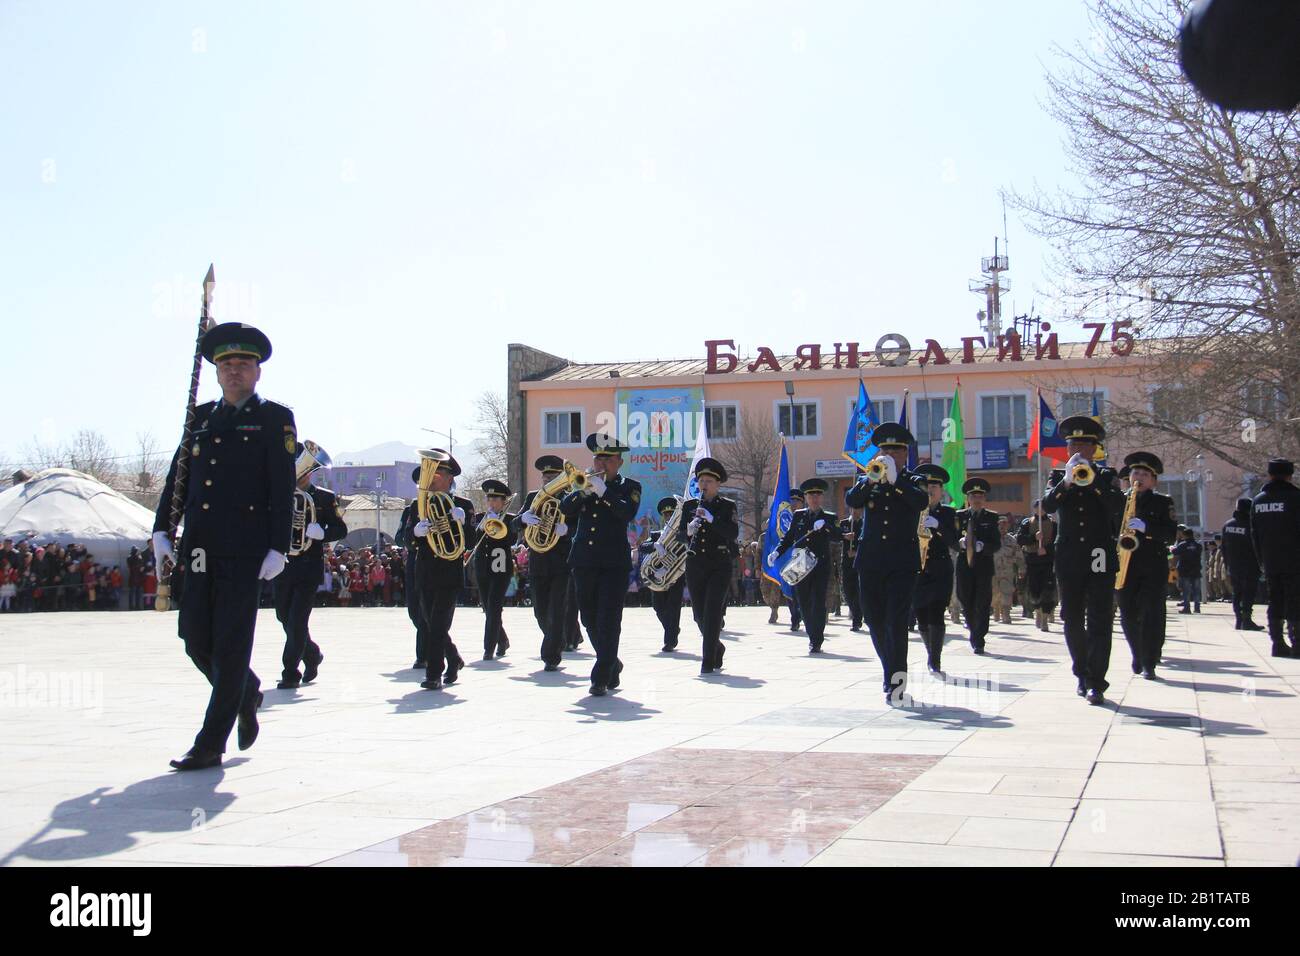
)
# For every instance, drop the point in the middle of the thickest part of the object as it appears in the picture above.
(889, 554)
(1142, 598)
(237, 517)
(296, 587)
(979, 539)
(934, 583)
(1037, 539)
(405, 538)
(439, 580)
(1088, 516)
(494, 563)
(668, 602)
(1243, 567)
(1275, 532)
(601, 559)
(709, 528)
(548, 572)
(850, 531)
(811, 528)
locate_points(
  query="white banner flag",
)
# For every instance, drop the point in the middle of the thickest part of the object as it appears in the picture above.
(701, 451)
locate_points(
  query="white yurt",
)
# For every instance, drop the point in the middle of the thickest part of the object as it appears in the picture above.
(71, 507)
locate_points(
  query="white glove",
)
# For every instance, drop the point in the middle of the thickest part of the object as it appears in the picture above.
(931, 521)
(891, 470)
(1137, 524)
(162, 548)
(597, 484)
(771, 559)
(422, 528)
(961, 542)
(660, 549)
(1069, 468)
(272, 565)
(819, 524)
(529, 518)
(703, 513)
(979, 546)
(561, 529)
(693, 526)
(458, 514)
(315, 532)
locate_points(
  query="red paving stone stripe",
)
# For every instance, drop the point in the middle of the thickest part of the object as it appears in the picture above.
(675, 807)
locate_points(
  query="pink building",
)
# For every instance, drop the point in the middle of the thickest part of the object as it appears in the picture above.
(808, 396)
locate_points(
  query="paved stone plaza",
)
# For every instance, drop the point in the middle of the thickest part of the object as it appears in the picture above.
(783, 759)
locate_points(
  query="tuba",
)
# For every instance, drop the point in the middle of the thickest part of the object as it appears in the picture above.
(659, 572)
(304, 506)
(1128, 539)
(541, 537)
(447, 536)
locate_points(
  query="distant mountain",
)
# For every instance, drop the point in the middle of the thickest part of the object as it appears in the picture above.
(384, 454)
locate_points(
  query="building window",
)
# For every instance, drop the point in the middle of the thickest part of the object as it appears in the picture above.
(1187, 503)
(562, 427)
(1175, 405)
(928, 424)
(1004, 415)
(885, 409)
(805, 423)
(1005, 492)
(1078, 403)
(720, 422)
(1262, 400)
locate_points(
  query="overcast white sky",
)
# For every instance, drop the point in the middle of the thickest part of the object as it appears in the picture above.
(395, 191)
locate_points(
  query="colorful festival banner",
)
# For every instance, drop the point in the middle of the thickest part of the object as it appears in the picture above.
(659, 425)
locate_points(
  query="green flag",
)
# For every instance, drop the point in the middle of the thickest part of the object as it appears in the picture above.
(954, 451)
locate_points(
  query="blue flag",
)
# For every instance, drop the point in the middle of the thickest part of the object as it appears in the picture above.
(858, 447)
(779, 517)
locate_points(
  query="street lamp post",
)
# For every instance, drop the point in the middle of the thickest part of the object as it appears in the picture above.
(1200, 476)
(451, 442)
(380, 496)
(789, 392)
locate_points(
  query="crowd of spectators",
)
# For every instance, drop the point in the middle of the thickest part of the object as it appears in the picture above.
(51, 577)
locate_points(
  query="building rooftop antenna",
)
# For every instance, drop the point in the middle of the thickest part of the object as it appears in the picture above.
(992, 287)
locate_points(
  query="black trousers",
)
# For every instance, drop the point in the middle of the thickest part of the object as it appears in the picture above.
(811, 592)
(668, 608)
(796, 613)
(1040, 583)
(849, 583)
(1087, 613)
(413, 610)
(438, 607)
(293, 603)
(1142, 615)
(550, 604)
(1244, 586)
(975, 592)
(217, 616)
(1283, 607)
(601, 591)
(492, 596)
(572, 635)
(887, 605)
(709, 579)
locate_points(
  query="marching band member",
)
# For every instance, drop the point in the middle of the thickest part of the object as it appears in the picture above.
(850, 531)
(811, 528)
(295, 588)
(494, 565)
(975, 577)
(404, 538)
(1242, 565)
(668, 602)
(710, 529)
(1275, 531)
(237, 519)
(1088, 525)
(600, 558)
(1037, 539)
(889, 556)
(934, 583)
(1142, 599)
(796, 613)
(439, 580)
(548, 572)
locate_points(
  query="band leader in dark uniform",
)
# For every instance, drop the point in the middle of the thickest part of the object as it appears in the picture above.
(1037, 539)
(667, 603)
(494, 564)
(1142, 598)
(934, 583)
(1088, 519)
(980, 538)
(709, 528)
(811, 528)
(548, 572)
(889, 556)
(439, 580)
(295, 588)
(1275, 531)
(237, 517)
(1242, 566)
(601, 558)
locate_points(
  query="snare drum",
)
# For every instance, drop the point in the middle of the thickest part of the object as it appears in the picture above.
(800, 565)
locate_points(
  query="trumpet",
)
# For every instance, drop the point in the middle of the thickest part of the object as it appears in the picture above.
(1083, 474)
(877, 470)
(304, 506)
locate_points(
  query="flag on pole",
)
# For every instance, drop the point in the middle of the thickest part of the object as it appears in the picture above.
(701, 451)
(1046, 439)
(1100, 453)
(911, 447)
(858, 447)
(954, 451)
(779, 517)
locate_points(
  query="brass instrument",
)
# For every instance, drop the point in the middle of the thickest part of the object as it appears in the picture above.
(1128, 539)
(304, 506)
(659, 572)
(923, 535)
(970, 537)
(446, 537)
(1083, 474)
(877, 470)
(541, 537)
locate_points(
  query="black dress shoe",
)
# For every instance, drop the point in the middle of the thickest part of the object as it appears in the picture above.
(197, 759)
(856, 627)
(247, 728)
(288, 684)
(503, 646)
(979, 651)
(551, 668)
(1149, 673)
(487, 655)
(614, 681)
(1281, 650)
(310, 669)
(420, 665)
(434, 684)
(1252, 626)
(706, 670)
(1096, 697)
(450, 676)
(668, 648)
(1082, 689)
(814, 648)
(598, 690)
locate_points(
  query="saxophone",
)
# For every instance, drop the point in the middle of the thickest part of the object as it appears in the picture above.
(1128, 539)
(923, 535)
